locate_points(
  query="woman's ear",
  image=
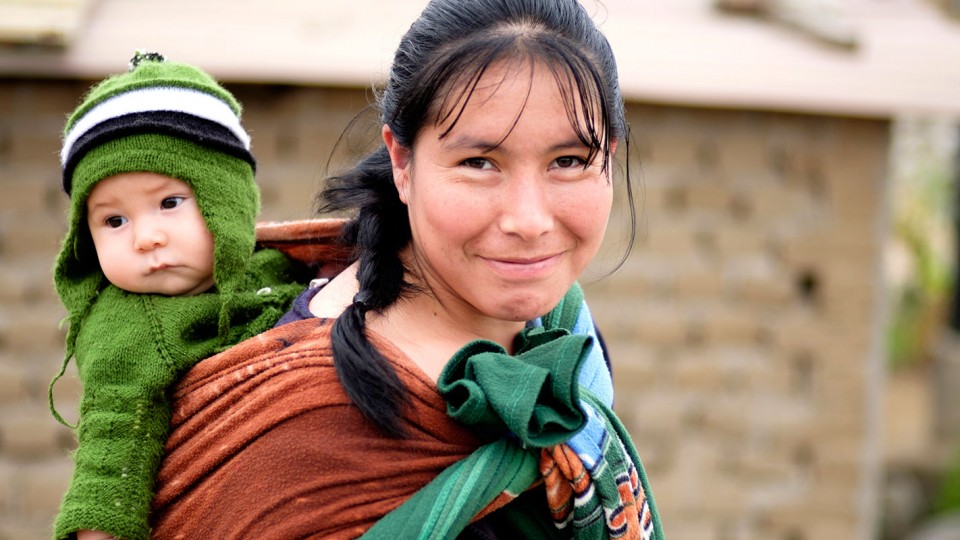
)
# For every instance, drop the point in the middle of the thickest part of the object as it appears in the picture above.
(610, 156)
(400, 157)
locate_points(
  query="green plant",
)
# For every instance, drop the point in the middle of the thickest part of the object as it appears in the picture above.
(921, 225)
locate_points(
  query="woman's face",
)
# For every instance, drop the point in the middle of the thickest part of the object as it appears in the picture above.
(503, 233)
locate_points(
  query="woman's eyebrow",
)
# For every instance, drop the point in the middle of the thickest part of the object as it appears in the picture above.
(468, 142)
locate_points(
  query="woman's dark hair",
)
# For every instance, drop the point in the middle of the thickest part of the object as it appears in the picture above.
(436, 68)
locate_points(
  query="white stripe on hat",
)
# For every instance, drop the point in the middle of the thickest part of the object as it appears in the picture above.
(162, 98)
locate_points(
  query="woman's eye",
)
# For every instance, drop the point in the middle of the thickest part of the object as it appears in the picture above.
(566, 162)
(115, 221)
(171, 202)
(478, 163)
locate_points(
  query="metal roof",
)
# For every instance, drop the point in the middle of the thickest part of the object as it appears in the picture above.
(669, 51)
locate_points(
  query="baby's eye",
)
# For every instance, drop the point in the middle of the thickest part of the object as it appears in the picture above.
(565, 162)
(115, 221)
(171, 202)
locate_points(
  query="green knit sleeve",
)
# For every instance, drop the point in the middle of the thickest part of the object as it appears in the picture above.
(130, 350)
(127, 362)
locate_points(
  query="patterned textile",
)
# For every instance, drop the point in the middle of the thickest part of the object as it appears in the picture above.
(602, 495)
(551, 427)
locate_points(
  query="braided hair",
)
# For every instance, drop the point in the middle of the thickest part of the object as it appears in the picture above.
(437, 65)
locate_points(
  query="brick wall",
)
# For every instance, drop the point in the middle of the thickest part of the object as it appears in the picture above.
(742, 326)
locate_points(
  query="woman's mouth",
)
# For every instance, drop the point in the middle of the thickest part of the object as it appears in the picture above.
(523, 268)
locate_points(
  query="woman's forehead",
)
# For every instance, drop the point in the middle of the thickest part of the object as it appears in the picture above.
(501, 94)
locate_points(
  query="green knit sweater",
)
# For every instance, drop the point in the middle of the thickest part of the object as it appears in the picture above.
(130, 349)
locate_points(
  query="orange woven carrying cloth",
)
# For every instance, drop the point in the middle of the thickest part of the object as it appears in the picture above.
(265, 443)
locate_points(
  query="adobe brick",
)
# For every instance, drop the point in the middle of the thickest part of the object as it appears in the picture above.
(8, 491)
(292, 199)
(689, 525)
(670, 239)
(30, 433)
(32, 329)
(724, 420)
(13, 383)
(654, 411)
(50, 100)
(635, 367)
(772, 204)
(66, 392)
(9, 104)
(765, 467)
(21, 282)
(671, 147)
(15, 527)
(696, 374)
(26, 237)
(708, 195)
(831, 518)
(731, 324)
(35, 147)
(661, 327)
(26, 189)
(739, 150)
(697, 282)
(42, 484)
(757, 277)
(735, 239)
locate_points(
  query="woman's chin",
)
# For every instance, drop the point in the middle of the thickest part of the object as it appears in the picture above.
(525, 308)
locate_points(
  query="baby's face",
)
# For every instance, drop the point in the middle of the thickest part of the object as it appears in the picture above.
(149, 234)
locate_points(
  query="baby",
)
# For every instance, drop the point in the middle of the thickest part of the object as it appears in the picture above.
(158, 270)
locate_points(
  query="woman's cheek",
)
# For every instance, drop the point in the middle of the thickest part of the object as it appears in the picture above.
(459, 210)
(586, 212)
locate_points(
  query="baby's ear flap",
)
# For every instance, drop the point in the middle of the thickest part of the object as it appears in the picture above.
(76, 274)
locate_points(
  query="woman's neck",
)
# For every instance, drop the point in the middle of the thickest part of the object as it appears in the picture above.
(430, 326)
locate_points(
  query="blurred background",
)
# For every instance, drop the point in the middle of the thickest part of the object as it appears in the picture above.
(785, 334)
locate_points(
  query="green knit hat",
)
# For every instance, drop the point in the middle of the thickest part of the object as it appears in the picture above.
(170, 119)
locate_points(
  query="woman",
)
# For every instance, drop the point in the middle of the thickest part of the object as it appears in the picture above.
(442, 378)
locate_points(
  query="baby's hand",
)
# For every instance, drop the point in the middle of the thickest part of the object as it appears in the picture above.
(93, 535)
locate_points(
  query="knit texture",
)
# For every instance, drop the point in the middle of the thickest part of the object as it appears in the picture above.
(181, 137)
(159, 97)
(126, 373)
(174, 120)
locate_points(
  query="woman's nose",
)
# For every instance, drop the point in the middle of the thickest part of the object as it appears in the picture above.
(525, 209)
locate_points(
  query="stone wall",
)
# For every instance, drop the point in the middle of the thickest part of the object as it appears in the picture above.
(743, 327)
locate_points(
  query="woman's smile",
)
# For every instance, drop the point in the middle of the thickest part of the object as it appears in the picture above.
(523, 268)
(506, 206)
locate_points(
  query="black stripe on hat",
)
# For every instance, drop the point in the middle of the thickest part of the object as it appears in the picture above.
(206, 133)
